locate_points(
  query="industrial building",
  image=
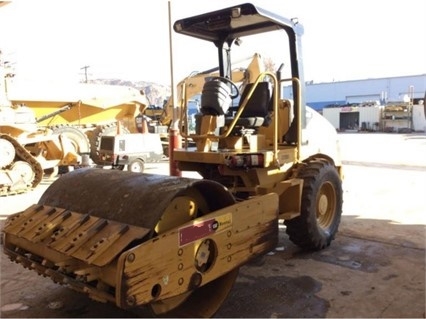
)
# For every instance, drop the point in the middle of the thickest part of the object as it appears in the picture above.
(397, 117)
(391, 104)
(383, 90)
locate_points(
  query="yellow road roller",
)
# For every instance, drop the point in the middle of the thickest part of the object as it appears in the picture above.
(175, 244)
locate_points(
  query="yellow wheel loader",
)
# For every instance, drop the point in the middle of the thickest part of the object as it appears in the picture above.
(173, 244)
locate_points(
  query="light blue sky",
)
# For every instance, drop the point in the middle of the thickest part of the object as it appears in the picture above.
(343, 40)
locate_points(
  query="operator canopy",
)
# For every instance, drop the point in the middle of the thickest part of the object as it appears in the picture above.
(231, 23)
(223, 27)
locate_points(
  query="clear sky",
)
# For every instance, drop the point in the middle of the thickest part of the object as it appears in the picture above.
(128, 39)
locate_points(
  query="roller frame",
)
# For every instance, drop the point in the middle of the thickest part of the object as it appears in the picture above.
(244, 231)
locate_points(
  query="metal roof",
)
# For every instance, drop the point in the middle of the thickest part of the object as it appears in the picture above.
(233, 22)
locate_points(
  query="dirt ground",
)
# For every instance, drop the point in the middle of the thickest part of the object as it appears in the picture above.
(374, 268)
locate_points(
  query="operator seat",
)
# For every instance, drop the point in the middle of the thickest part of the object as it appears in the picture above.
(215, 98)
(257, 110)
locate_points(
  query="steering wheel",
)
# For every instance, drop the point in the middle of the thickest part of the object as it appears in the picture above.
(233, 85)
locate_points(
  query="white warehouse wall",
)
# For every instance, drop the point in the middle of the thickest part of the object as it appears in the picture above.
(367, 114)
(370, 115)
(333, 116)
(419, 119)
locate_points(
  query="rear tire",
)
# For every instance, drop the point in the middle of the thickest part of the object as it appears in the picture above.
(77, 137)
(136, 166)
(321, 209)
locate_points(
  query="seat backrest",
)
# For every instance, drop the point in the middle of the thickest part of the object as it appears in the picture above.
(260, 101)
(215, 98)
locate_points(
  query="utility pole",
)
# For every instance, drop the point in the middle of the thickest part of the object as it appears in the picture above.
(174, 136)
(85, 71)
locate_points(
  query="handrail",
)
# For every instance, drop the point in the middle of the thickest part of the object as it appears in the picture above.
(298, 85)
(241, 108)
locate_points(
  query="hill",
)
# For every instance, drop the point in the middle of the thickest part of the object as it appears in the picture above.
(155, 93)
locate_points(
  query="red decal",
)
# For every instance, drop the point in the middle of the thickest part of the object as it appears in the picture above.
(192, 233)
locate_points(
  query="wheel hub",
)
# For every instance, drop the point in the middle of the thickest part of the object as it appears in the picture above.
(326, 203)
(322, 205)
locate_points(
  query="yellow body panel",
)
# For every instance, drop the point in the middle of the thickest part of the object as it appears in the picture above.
(242, 231)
